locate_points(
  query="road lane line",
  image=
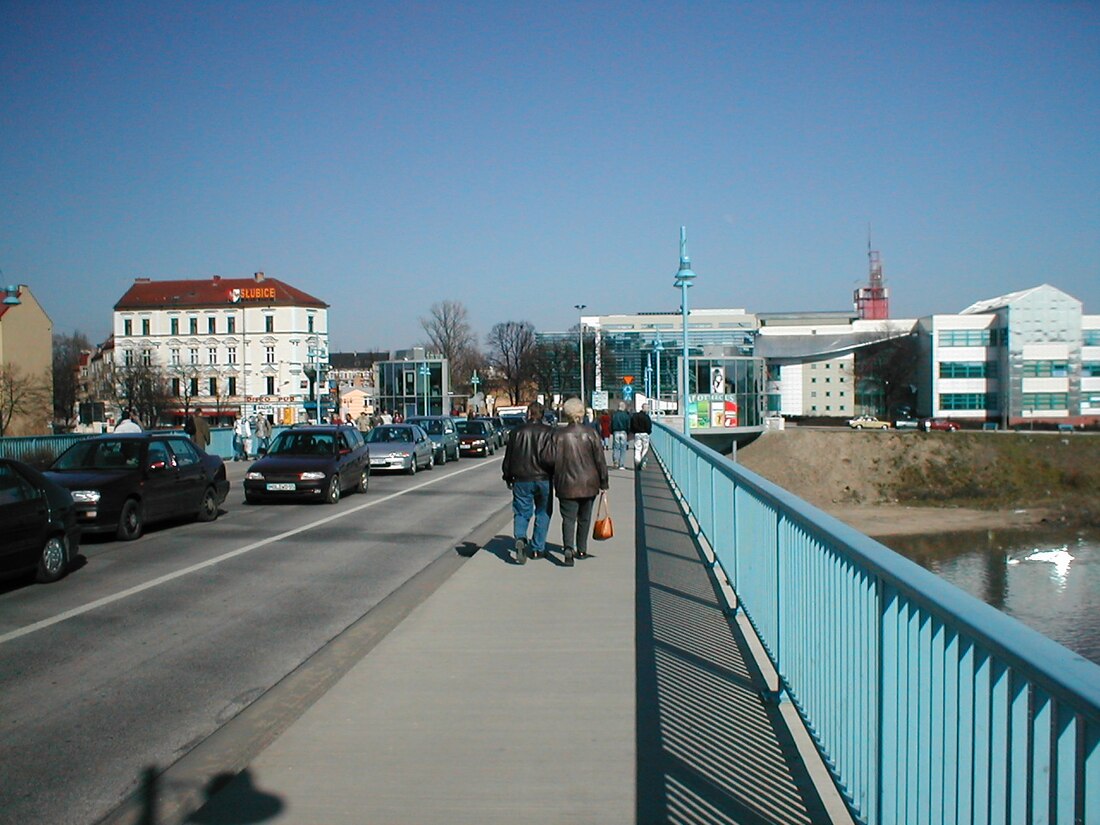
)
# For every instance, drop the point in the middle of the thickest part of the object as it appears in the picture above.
(240, 551)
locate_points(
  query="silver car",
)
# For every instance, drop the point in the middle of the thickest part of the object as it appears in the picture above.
(404, 447)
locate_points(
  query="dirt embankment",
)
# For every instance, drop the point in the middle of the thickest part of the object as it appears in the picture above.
(886, 483)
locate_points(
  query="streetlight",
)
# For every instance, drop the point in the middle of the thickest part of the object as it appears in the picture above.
(649, 375)
(683, 280)
(425, 373)
(580, 308)
(658, 347)
(475, 380)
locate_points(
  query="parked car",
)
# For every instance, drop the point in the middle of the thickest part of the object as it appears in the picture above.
(906, 424)
(475, 437)
(40, 532)
(497, 427)
(403, 447)
(512, 422)
(441, 430)
(868, 422)
(122, 482)
(943, 424)
(317, 462)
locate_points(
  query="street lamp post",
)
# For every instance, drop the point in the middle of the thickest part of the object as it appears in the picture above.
(580, 308)
(684, 277)
(425, 373)
(649, 375)
(658, 348)
(475, 381)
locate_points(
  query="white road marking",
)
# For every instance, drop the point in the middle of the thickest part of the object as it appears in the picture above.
(240, 551)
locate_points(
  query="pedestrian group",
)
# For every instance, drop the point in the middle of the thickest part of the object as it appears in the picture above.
(542, 461)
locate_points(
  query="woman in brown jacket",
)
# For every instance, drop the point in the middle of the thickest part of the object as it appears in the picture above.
(580, 472)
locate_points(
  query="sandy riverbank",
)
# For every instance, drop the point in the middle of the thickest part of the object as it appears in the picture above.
(880, 520)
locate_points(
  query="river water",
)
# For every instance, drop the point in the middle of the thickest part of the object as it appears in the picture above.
(1048, 579)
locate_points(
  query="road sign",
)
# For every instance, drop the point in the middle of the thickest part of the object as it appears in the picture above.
(599, 400)
(628, 392)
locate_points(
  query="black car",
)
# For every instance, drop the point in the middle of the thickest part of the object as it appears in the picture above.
(122, 482)
(315, 462)
(39, 532)
(497, 427)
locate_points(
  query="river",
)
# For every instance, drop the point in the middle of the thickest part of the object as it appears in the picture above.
(1049, 579)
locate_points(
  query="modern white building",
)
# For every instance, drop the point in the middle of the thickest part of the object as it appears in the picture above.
(1021, 357)
(228, 345)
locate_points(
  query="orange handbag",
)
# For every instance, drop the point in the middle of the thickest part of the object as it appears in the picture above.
(602, 528)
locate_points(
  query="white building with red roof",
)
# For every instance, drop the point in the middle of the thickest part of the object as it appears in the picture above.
(228, 345)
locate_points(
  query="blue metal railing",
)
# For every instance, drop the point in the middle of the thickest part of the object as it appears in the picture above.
(36, 448)
(928, 705)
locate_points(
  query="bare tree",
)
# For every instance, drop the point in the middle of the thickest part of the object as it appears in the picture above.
(142, 389)
(511, 351)
(448, 329)
(21, 396)
(67, 386)
(885, 373)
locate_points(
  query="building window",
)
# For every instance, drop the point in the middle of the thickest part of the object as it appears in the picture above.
(271, 385)
(231, 324)
(1045, 401)
(967, 401)
(128, 357)
(231, 355)
(144, 326)
(813, 395)
(269, 323)
(211, 324)
(175, 357)
(194, 352)
(213, 387)
(193, 324)
(127, 327)
(194, 387)
(232, 388)
(968, 369)
(968, 338)
(813, 380)
(309, 323)
(1090, 337)
(146, 357)
(1045, 369)
(175, 387)
(212, 355)
(269, 355)
(174, 325)
(1090, 369)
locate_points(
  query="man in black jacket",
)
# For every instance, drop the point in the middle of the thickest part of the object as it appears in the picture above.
(641, 426)
(528, 466)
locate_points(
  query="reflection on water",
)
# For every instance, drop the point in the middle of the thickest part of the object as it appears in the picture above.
(1048, 579)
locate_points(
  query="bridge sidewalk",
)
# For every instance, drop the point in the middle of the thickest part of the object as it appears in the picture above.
(544, 694)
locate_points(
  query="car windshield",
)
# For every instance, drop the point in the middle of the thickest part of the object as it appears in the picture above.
(472, 427)
(432, 426)
(109, 454)
(380, 434)
(302, 443)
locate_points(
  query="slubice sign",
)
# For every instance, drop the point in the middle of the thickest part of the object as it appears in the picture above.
(712, 410)
(258, 293)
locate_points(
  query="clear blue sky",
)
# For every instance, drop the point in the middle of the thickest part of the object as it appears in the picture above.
(525, 157)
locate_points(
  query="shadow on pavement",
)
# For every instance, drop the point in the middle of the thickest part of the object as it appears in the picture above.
(235, 800)
(710, 750)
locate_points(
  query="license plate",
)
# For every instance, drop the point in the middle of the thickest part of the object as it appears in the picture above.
(281, 488)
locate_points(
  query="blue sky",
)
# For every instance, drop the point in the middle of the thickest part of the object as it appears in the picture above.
(526, 157)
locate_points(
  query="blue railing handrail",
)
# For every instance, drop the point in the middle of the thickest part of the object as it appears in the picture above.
(1016, 709)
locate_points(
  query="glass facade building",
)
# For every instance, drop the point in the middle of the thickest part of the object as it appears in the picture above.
(419, 386)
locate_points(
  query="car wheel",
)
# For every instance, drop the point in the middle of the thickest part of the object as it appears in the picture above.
(859, 426)
(442, 456)
(364, 481)
(53, 561)
(431, 461)
(412, 465)
(208, 510)
(131, 524)
(333, 494)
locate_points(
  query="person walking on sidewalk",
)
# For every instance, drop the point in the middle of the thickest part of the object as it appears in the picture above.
(580, 472)
(640, 427)
(527, 468)
(198, 429)
(620, 425)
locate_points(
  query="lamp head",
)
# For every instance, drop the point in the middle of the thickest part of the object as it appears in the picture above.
(684, 276)
(12, 296)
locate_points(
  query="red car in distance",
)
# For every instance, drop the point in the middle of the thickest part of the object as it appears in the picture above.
(943, 424)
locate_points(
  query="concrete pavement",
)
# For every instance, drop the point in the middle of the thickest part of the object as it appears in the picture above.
(508, 696)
